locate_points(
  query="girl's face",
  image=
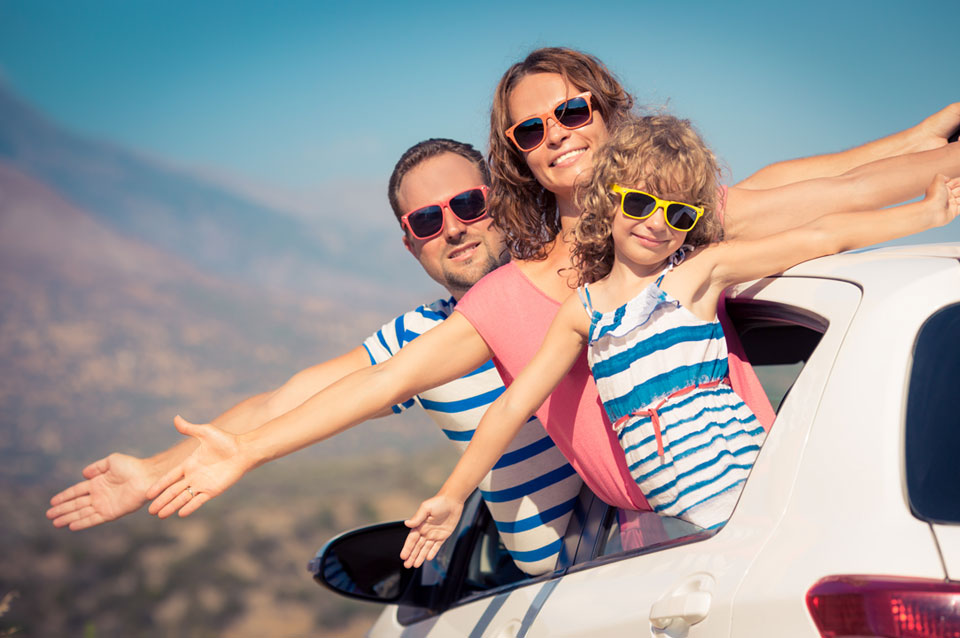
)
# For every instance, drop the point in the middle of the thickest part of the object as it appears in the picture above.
(564, 154)
(646, 242)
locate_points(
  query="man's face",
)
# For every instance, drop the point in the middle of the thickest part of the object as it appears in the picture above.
(462, 253)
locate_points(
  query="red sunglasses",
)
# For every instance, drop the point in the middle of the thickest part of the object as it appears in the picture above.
(427, 222)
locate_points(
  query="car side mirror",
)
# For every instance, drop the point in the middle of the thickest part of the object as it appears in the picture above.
(365, 564)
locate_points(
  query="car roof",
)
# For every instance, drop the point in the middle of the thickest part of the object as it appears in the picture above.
(877, 265)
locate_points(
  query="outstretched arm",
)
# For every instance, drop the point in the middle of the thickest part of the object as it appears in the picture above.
(437, 517)
(440, 355)
(933, 132)
(758, 213)
(727, 263)
(116, 485)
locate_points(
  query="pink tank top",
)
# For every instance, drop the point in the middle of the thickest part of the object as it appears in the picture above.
(512, 316)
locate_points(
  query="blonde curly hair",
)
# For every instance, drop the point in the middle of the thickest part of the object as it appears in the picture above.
(657, 153)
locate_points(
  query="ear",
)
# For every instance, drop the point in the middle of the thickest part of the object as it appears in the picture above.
(409, 246)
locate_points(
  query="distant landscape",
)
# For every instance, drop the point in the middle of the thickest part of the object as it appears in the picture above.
(133, 292)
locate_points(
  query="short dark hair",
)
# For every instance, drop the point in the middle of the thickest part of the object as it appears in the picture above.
(423, 151)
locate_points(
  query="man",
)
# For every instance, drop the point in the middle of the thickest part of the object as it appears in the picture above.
(531, 491)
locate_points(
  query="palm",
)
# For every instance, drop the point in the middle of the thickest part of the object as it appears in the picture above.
(441, 521)
(433, 523)
(121, 490)
(214, 466)
(115, 486)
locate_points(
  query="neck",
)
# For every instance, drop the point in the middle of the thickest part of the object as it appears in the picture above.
(624, 269)
(569, 213)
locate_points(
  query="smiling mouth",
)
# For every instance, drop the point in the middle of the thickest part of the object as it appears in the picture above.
(649, 240)
(463, 251)
(568, 155)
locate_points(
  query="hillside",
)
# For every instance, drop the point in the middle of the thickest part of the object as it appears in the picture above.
(131, 293)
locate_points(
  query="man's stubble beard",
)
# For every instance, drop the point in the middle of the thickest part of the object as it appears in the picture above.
(460, 282)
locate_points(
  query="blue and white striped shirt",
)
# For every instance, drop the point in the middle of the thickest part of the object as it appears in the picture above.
(532, 489)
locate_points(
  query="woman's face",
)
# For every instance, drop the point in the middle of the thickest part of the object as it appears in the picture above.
(565, 154)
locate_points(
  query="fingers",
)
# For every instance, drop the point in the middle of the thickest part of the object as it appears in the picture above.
(68, 506)
(417, 554)
(63, 519)
(419, 517)
(72, 492)
(164, 483)
(173, 494)
(193, 504)
(96, 468)
(184, 426)
(409, 544)
(179, 497)
(87, 521)
(427, 550)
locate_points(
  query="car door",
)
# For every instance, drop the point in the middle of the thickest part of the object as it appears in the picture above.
(686, 584)
(479, 591)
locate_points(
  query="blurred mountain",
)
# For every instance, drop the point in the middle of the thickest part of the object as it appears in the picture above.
(205, 223)
(103, 337)
(130, 292)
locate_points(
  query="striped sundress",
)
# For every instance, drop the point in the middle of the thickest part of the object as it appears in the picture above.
(661, 372)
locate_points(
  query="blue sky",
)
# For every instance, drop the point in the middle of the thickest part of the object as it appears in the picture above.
(308, 98)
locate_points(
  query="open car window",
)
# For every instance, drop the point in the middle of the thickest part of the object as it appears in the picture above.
(778, 340)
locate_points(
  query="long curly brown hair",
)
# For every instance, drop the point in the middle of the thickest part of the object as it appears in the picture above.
(658, 153)
(519, 205)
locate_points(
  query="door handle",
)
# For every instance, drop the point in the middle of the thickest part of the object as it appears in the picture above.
(688, 609)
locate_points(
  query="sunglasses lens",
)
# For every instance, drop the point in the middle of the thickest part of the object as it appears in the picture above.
(469, 205)
(638, 205)
(573, 113)
(528, 134)
(681, 217)
(426, 222)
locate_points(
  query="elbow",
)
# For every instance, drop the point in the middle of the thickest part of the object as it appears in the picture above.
(825, 240)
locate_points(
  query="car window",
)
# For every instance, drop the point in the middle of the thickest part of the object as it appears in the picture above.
(778, 340)
(437, 578)
(932, 433)
(490, 565)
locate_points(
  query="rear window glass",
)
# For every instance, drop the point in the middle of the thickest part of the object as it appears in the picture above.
(932, 443)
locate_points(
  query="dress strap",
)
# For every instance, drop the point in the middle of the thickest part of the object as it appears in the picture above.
(584, 293)
(675, 260)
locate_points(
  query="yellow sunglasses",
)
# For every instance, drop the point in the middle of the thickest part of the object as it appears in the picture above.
(637, 204)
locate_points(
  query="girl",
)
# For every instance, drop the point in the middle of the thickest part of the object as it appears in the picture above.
(647, 314)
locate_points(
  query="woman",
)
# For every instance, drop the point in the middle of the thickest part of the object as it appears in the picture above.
(532, 201)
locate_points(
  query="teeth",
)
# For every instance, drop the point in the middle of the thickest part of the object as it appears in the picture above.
(568, 155)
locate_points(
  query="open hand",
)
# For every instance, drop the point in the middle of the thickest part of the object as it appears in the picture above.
(213, 467)
(933, 131)
(116, 486)
(435, 520)
(943, 197)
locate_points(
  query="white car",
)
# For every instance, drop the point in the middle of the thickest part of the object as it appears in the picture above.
(849, 524)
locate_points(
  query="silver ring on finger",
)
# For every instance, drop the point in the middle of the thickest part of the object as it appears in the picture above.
(190, 492)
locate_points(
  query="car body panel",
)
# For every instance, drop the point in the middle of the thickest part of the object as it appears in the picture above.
(826, 496)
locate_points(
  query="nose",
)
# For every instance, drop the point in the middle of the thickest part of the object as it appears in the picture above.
(554, 132)
(657, 221)
(453, 228)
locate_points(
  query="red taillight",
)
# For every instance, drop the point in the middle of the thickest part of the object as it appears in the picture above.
(855, 606)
